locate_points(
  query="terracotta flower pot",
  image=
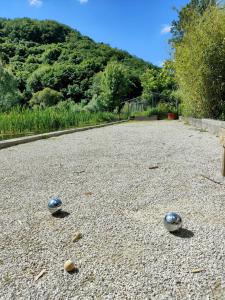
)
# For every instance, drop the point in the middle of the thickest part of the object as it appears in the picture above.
(172, 116)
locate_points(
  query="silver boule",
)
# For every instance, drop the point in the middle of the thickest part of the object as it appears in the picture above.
(54, 205)
(172, 221)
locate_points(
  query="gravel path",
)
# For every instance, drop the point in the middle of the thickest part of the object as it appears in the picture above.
(117, 201)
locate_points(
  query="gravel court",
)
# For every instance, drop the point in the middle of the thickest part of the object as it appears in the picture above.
(112, 196)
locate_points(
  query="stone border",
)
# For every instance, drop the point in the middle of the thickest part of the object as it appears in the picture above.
(213, 126)
(28, 139)
(143, 118)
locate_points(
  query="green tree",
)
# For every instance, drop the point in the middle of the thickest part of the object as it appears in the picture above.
(45, 98)
(9, 94)
(150, 83)
(159, 84)
(44, 54)
(114, 86)
(51, 55)
(200, 66)
(189, 13)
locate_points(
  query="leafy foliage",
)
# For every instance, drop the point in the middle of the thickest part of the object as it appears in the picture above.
(114, 86)
(200, 65)
(159, 84)
(46, 97)
(26, 121)
(189, 13)
(44, 32)
(9, 95)
(46, 54)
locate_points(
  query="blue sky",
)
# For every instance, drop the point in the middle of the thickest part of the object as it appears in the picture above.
(138, 26)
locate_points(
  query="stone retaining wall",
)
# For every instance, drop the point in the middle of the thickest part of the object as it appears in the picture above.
(143, 118)
(213, 126)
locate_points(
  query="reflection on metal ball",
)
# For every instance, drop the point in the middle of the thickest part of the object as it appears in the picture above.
(172, 221)
(54, 205)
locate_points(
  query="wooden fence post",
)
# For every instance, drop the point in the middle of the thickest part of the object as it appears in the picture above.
(223, 163)
(222, 142)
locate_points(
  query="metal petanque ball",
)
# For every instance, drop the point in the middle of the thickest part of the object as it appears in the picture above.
(172, 221)
(54, 205)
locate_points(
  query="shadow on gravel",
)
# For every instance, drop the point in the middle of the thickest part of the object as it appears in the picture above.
(76, 271)
(183, 233)
(61, 214)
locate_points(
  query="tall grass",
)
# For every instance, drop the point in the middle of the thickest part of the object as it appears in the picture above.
(24, 121)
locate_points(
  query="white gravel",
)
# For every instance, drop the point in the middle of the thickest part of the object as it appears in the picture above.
(117, 203)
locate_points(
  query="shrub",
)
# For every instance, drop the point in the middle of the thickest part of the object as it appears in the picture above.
(95, 104)
(9, 94)
(46, 97)
(162, 109)
(69, 105)
(114, 86)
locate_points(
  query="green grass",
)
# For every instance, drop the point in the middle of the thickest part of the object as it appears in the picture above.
(161, 110)
(141, 114)
(21, 122)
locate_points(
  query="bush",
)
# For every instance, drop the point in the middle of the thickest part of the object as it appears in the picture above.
(114, 86)
(69, 105)
(51, 55)
(9, 94)
(95, 104)
(46, 97)
(162, 109)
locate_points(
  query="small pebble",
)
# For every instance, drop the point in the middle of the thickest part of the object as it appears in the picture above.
(69, 266)
(77, 236)
(88, 193)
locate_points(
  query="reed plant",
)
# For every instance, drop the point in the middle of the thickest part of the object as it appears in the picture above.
(19, 121)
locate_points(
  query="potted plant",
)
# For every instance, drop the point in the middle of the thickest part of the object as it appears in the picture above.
(172, 114)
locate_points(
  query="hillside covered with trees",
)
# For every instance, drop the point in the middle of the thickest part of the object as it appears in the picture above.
(52, 62)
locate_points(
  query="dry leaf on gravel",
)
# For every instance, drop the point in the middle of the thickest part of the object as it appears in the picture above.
(197, 270)
(40, 275)
(206, 177)
(153, 167)
(79, 172)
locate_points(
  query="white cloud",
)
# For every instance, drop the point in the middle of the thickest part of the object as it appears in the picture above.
(36, 3)
(165, 29)
(83, 1)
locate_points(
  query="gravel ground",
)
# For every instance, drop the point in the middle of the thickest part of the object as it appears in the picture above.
(111, 195)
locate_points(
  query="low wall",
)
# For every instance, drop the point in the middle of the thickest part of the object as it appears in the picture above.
(143, 118)
(213, 126)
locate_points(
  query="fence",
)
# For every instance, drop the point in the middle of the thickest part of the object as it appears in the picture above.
(140, 105)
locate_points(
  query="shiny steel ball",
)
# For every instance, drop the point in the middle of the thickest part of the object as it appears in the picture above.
(54, 205)
(172, 221)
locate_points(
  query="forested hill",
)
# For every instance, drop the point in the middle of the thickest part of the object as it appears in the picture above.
(48, 54)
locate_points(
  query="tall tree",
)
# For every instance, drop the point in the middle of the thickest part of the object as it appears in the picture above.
(193, 10)
(159, 84)
(200, 66)
(114, 86)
